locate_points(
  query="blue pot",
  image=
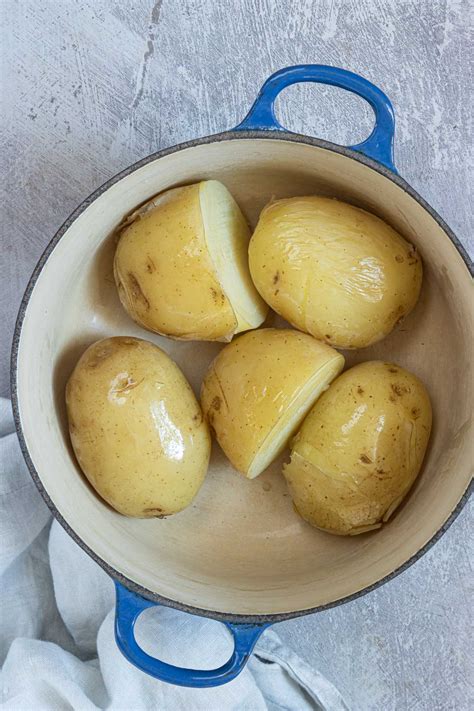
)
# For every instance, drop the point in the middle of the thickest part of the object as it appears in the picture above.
(286, 569)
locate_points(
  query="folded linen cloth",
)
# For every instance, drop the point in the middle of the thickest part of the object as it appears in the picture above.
(57, 641)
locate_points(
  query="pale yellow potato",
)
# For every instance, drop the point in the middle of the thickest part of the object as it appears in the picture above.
(181, 265)
(335, 271)
(360, 449)
(258, 390)
(137, 428)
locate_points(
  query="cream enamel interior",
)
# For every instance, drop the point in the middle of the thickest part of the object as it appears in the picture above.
(240, 548)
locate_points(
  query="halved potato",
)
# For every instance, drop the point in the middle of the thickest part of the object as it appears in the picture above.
(181, 265)
(360, 449)
(258, 390)
(334, 271)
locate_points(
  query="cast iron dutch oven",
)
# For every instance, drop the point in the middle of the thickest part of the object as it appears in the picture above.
(240, 554)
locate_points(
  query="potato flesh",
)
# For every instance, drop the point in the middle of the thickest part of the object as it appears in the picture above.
(258, 390)
(181, 265)
(227, 237)
(333, 270)
(360, 448)
(136, 428)
(278, 437)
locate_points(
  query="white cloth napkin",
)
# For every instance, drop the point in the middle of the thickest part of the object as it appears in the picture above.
(56, 629)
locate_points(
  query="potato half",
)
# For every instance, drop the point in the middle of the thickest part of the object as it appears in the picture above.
(137, 428)
(181, 265)
(258, 390)
(335, 271)
(360, 449)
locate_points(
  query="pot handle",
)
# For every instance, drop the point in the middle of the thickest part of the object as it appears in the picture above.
(378, 146)
(128, 609)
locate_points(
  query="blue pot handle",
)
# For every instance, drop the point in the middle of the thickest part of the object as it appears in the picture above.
(379, 145)
(129, 607)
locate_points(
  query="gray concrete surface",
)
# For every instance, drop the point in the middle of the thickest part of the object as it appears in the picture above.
(90, 86)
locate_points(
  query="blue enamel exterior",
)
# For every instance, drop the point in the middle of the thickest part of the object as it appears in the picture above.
(378, 146)
(129, 606)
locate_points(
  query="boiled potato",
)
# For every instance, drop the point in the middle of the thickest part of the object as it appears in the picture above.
(137, 428)
(333, 270)
(360, 449)
(181, 265)
(258, 390)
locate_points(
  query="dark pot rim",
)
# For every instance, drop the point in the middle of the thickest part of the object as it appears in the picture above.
(115, 574)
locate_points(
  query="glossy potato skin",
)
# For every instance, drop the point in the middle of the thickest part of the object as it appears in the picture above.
(360, 448)
(136, 428)
(253, 381)
(333, 270)
(164, 274)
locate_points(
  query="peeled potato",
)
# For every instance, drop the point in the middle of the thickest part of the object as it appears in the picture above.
(258, 390)
(360, 449)
(333, 270)
(181, 265)
(137, 428)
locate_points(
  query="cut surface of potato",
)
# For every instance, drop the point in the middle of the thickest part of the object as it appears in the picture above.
(333, 270)
(181, 265)
(360, 448)
(136, 427)
(258, 390)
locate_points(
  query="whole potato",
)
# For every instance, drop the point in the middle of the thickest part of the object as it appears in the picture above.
(360, 449)
(333, 270)
(137, 428)
(181, 265)
(258, 390)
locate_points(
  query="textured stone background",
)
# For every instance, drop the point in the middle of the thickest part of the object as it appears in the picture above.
(90, 86)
